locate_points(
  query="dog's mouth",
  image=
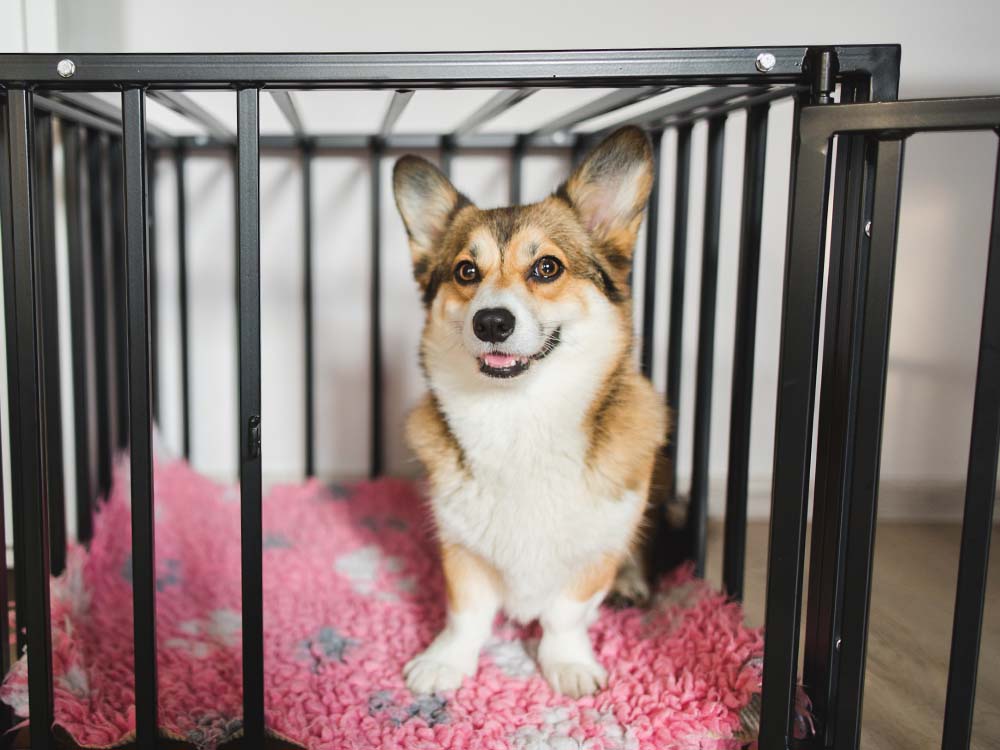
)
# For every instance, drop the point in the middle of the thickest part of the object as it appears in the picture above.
(505, 365)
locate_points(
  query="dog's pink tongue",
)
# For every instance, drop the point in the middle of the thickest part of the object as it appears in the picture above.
(499, 361)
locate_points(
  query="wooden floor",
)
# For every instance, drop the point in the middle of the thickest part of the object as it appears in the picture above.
(913, 596)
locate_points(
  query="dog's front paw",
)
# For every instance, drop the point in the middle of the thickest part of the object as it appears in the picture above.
(575, 679)
(431, 674)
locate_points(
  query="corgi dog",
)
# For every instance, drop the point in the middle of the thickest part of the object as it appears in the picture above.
(538, 433)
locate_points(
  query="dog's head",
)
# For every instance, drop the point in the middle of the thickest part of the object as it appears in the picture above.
(509, 290)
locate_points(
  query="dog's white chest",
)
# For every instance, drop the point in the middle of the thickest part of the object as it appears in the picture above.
(527, 507)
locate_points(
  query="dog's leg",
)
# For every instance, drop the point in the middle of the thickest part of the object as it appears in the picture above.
(564, 653)
(474, 597)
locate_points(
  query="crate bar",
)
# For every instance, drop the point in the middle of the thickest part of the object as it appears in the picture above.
(603, 105)
(397, 104)
(140, 410)
(290, 111)
(853, 186)
(251, 539)
(977, 523)
(154, 280)
(593, 68)
(85, 103)
(184, 105)
(649, 273)
(864, 472)
(675, 341)
(376, 450)
(45, 229)
(72, 114)
(447, 154)
(99, 239)
(180, 157)
(398, 141)
(118, 286)
(698, 506)
(689, 106)
(72, 136)
(491, 108)
(737, 475)
(307, 310)
(793, 426)
(743, 102)
(516, 170)
(29, 481)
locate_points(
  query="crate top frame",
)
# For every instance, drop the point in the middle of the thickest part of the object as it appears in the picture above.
(576, 68)
(740, 77)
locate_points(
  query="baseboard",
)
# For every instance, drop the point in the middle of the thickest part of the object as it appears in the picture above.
(898, 500)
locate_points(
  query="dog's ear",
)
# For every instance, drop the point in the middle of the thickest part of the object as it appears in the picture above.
(428, 202)
(610, 188)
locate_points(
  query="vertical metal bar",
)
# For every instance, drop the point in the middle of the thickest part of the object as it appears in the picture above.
(447, 155)
(7, 241)
(675, 341)
(140, 411)
(698, 506)
(853, 188)
(180, 155)
(99, 231)
(980, 491)
(75, 228)
(119, 325)
(248, 185)
(793, 425)
(735, 534)
(516, 170)
(652, 247)
(377, 448)
(10, 319)
(863, 472)
(45, 233)
(154, 281)
(27, 415)
(307, 308)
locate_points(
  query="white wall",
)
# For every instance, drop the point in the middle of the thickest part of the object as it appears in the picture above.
(947, 50)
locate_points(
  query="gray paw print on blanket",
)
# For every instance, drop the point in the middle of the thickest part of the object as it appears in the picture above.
(170, 577)
(327, 645)
(430, 708)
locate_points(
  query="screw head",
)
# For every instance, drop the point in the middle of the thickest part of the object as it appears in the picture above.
(765, 62)
(868, 229)
(66, 68)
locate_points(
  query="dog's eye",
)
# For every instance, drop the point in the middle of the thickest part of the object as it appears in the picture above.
(466, 272)
(547, 269)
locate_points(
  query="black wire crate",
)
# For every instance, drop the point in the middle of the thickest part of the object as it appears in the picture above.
(846, 152)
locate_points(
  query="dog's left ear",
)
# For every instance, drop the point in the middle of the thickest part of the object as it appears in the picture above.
(610, 188)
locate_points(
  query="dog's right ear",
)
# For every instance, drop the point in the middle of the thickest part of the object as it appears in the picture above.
(428, 202)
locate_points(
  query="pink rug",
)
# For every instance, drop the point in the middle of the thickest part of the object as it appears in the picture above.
(351, 592)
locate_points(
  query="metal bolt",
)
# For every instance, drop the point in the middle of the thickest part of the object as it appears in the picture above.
(868, 229)
(765, 62)
(66, 68)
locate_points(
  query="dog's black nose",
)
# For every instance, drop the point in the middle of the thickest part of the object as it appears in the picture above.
(493, 324)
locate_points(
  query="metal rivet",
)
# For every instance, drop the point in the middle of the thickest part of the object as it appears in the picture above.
(766, 62)
(66, 68)
(868, 229)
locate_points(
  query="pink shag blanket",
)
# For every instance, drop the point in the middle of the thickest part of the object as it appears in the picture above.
(352, 590)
